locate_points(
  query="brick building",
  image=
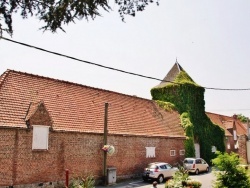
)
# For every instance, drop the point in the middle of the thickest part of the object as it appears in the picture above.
(48, 125)
(235, 133)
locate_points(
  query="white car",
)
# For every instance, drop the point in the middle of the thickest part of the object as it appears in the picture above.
(158, 171)
(196, 165)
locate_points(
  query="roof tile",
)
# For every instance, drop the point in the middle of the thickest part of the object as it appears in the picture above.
(226, 123)
(75, 107)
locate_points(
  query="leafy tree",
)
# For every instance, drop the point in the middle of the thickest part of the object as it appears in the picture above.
(242, 118)
(230, 174)
(55, 13)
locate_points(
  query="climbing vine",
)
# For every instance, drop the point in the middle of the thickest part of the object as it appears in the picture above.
(189, 132)
(187, 98)
(166, 105)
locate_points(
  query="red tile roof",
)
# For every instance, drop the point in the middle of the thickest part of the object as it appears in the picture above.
(226, 123)
(75, 107)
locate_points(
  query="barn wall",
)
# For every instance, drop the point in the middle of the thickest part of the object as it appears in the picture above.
(80, 153)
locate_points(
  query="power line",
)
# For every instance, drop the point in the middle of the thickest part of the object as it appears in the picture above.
(88, 62)
(229, 110)
(111, 68)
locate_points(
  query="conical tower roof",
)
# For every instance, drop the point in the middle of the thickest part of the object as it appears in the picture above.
(172, 75)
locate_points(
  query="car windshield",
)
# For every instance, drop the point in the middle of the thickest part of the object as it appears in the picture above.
(188, 161)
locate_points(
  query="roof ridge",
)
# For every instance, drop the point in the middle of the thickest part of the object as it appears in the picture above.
(240, 124)
(72, 83)
(179, 67)
(219, 114)
(31, 112)
(230, 120)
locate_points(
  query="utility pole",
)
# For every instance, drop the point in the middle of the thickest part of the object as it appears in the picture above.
(105, 136)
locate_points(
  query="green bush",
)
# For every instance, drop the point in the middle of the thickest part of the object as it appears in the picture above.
(80, 182)
(230, 174)
(181, 179)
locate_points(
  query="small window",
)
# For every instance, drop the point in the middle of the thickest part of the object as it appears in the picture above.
(40, 137)
(182, 152)
(172, 152)
(214, 149)
(150, 152)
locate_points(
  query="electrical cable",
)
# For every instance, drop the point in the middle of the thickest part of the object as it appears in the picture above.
(111, 68)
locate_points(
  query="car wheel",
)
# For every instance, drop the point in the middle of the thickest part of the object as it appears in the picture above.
(207, 170)
(145, 179)
(197, 171)
(160, 179)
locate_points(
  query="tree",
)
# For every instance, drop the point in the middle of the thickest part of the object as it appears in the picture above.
(230, 174)
(242, 118)
(56, 13)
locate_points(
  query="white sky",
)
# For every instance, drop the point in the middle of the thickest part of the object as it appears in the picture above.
(211, 40)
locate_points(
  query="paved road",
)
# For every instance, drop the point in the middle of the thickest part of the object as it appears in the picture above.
(205, 178)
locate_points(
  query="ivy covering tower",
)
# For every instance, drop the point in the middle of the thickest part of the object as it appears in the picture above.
(179, 91)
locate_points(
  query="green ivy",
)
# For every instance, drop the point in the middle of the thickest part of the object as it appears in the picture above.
(189, 132)
(166, 105)
(187, 98)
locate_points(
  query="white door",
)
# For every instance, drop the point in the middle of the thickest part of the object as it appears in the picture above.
(197, 150)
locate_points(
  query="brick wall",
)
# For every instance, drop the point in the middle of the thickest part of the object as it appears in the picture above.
(79, 152)
(7, 143)
(242, 140)
(230, 141)
(242, 150)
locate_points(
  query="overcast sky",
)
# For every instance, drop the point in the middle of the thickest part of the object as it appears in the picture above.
(210, 39)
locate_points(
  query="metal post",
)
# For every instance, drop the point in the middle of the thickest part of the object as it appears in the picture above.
(105, 142)
(67, 178)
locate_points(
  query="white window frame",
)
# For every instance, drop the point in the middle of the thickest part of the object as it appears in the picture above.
(172, 153)
(182, 152)
(40, 140)
(236, 146)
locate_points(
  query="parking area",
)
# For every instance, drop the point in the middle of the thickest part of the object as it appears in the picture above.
(133, 183)
(205, 178)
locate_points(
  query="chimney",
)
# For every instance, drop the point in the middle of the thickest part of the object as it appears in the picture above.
(234, 127)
